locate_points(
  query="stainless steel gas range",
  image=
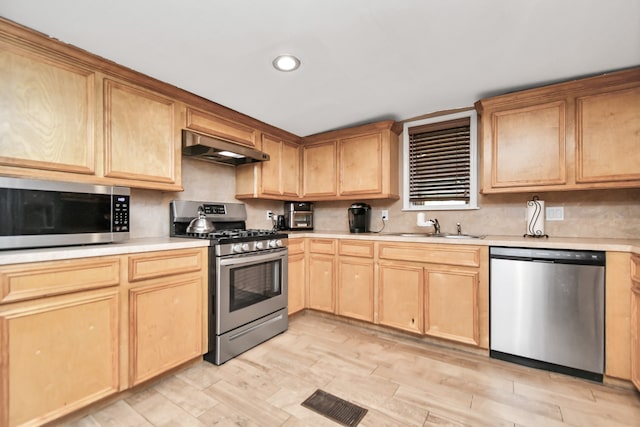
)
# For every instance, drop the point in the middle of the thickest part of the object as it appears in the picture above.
(247, 276)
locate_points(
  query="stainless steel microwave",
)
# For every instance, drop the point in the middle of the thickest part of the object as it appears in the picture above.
(36, 213)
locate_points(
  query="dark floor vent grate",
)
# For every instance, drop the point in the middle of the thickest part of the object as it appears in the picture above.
(334, 408)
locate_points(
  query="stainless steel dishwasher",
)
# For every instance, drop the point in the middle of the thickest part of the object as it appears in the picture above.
(547, 309)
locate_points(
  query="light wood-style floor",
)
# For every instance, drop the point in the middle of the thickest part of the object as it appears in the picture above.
(400, 381)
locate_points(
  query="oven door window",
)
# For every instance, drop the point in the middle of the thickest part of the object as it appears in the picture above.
(254, 283)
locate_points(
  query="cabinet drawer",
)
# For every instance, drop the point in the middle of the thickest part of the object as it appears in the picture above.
(295, 246)
(322, 246)
(27, 281)
(635, 269)
(214, 125)
(356, 248)
(165, 263)
(434, 254)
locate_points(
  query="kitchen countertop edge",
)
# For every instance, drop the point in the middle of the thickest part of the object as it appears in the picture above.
(577, 243)
(149, 244)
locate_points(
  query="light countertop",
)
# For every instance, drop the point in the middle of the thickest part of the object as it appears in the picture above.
(167, 243)
(579, 243)
(69, 252)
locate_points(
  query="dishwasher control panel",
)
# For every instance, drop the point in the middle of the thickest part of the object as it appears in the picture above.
(550, 255)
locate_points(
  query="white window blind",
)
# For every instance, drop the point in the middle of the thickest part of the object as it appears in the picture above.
(440, 163)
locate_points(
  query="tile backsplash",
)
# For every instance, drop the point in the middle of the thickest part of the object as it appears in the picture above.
(597, 213)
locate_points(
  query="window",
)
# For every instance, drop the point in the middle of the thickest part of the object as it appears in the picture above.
(439, 166)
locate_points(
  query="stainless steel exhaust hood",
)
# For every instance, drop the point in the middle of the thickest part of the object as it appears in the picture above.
(216, 150)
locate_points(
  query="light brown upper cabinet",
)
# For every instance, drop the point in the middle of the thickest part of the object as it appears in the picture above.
(359, 162)
(222, 127)
(278, 178)
(72, 116)
(582, 134)
(141, 139)
(47, 115)
(319, 165)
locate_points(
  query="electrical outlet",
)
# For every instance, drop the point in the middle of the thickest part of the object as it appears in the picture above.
(385, 215)
(554, 213)
(269, 215)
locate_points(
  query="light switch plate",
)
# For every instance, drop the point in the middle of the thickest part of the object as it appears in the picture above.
(554, 213)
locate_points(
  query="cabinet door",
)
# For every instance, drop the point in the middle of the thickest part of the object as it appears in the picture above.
(297, 289)
(321, 282)
(58, 354)
(271, 170)
(142, 144)
(47, 115)
(355, 288)
(400, 296)
(221, 127)
(165, 325)
(281, 174)
(527, 147)
(290, 166)
(319, 162)
(635, 320)
(41, 279)
(635, 335)
(608, 137)
(361, 165)
(451, 304)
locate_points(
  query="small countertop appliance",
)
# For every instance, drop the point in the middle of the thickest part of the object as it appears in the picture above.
(359, 218)
(298, 215)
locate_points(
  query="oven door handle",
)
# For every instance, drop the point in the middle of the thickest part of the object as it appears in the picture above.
(271, 256)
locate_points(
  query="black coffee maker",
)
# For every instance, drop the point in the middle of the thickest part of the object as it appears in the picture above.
(359, 218)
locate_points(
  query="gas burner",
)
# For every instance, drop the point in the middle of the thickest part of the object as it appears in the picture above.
(232, 234)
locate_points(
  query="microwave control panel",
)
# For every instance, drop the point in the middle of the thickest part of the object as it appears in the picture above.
(120, 213)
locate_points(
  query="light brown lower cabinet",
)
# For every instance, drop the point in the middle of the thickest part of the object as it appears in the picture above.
(58, 353)
(165, 324)
(355, 280)
(296, 270)
(438, 290)
(451, 304)
(635, 320)
(92, 327)
(400, 296)
(165, 294)
(321, 278)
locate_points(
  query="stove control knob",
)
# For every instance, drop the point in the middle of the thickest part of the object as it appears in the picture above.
(240, 247)
(275, 243)
(259, 246)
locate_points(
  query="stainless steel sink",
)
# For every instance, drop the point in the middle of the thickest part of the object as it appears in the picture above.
(462, 236)
(444, 235)
(411, 234)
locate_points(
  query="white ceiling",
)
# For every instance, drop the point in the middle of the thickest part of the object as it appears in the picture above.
(362, 60)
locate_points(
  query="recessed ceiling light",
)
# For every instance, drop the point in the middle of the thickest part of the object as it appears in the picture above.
(286, 63)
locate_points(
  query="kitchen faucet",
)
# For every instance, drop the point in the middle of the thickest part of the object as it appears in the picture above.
(436, 225)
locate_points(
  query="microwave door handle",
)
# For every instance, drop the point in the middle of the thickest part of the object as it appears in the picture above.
(252, 259)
